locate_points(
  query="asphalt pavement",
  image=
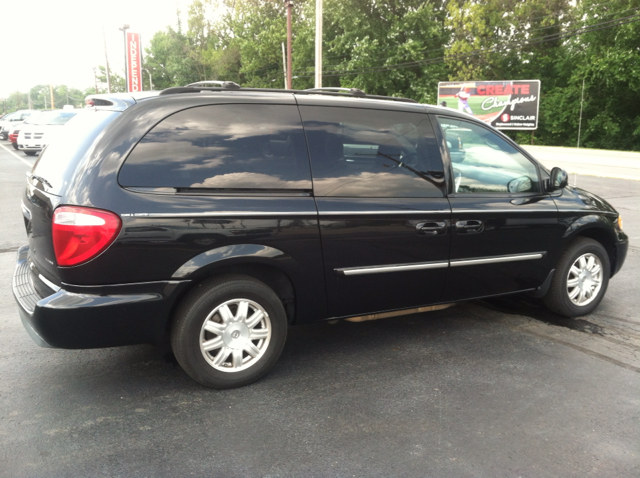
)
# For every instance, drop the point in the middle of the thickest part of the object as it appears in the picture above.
(497, 388)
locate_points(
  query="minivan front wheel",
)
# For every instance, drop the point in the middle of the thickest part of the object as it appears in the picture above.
(229, 332)
(580, 280)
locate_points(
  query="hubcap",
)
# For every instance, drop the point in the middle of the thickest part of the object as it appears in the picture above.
(235, 335)
(584, 280)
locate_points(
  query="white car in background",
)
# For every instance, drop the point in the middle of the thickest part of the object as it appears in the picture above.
(12, 119)
(36, 134)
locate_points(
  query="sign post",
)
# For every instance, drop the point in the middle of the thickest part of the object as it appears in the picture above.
(502, 104)
(134, 63)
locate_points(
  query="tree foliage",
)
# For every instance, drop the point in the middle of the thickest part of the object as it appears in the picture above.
(404, 48)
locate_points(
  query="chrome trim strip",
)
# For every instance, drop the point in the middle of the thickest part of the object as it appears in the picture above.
(49, 284)
(220, 214)
(514, 209)
(354, 271)
(167, 282)
(495, 260)
(364, 213)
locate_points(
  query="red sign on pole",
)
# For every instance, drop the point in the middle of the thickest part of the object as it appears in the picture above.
(134, 62)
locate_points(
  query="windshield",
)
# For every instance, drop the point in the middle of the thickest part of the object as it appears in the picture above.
(52, 117)
(32, 118)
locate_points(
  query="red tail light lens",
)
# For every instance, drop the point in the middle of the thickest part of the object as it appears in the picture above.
(81, 233)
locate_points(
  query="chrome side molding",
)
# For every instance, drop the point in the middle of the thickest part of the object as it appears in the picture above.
(354, 271)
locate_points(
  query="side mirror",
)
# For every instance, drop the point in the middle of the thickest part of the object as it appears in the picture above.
(559, 179)
(522, 184)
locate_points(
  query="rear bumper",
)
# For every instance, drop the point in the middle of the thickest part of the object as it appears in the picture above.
(95, 316)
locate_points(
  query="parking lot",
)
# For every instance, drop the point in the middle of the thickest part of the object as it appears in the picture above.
(484, 389)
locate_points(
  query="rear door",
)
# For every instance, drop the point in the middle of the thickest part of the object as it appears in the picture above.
(504, 228)
(384, 218)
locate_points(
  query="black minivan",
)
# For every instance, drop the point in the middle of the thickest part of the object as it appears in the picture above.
(219, 216)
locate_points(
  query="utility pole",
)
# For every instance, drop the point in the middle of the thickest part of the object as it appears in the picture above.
(289, 7)
(284, 66)
(106, 58)
(124, 29)
(53, 104)
(95, 79)
(580, 123)
(150, 79)
(318, 43)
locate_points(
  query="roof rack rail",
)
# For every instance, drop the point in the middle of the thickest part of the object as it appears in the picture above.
(353, 91)
(227, 85)
(331, 91)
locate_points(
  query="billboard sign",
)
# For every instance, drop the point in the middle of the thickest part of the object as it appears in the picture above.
(134, 62)
(502, 104)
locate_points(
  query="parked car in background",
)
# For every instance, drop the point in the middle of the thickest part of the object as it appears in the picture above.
(13, 136)
(219, 216)
(13, 119)
(14, 128)
(36, 134)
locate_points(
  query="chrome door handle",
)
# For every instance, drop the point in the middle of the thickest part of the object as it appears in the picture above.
(431, 228)
(470, 226)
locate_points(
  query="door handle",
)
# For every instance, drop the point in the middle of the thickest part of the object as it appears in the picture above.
(469, 226)
(431, 228)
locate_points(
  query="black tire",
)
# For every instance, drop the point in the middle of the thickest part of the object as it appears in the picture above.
(15, 145)
(30, 153)
(211, 368)
(558, 297)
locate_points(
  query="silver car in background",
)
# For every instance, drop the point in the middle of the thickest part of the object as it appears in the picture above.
(36, 134)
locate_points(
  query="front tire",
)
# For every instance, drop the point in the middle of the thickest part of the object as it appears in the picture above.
(229, 332)
(30, 153)
(580, 280)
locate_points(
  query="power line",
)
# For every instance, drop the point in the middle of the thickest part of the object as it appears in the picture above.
(307, 73)
(428, 61)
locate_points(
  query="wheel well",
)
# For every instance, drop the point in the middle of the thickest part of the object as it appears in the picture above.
(274, 278)
(603, 238)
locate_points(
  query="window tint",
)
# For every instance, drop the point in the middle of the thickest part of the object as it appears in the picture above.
(483, 162)
(222, 147)
(372, 153)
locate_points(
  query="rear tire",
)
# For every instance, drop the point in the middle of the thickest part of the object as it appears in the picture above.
(229, 331)
(580, 280)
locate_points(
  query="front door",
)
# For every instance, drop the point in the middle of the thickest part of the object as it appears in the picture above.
(504, 227)
(384, 218)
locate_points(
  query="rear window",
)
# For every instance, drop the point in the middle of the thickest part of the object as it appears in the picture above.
(59, 160)
(220, 147)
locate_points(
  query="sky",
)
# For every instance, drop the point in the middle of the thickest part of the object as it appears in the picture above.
(59, 42)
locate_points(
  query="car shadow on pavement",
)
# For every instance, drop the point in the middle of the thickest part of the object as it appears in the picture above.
(522, 304)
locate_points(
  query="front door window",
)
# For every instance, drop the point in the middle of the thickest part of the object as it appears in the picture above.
(483, 162)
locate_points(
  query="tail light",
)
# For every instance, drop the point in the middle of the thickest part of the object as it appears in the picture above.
(82, 233)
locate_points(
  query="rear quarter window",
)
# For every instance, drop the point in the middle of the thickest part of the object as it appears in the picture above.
(220, 147)
(59, 161)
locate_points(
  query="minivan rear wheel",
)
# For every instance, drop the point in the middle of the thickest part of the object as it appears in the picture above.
(229, 332)
(580, 280)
